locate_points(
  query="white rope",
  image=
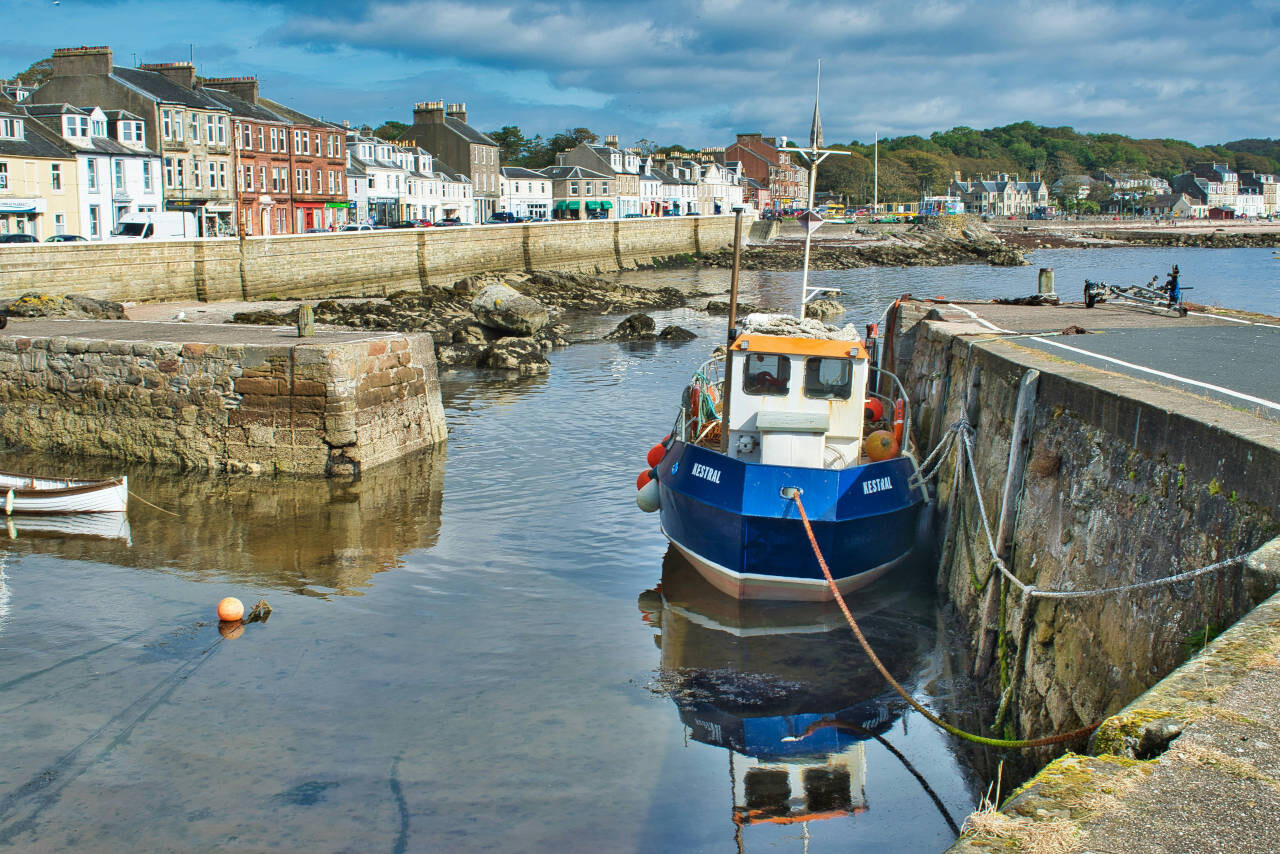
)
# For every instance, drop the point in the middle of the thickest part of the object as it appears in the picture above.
(965, 432)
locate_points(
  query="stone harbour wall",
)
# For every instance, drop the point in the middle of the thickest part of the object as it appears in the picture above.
(347, 263)
(1120, 487)
(328, 408)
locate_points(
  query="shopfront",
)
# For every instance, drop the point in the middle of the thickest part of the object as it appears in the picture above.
(22, 216)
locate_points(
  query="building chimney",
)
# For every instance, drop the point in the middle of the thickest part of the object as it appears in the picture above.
(182, 73)
(81, 61)
(611, 141)
(958, 176)
(458, 111)
(244, 88)
(428, 113)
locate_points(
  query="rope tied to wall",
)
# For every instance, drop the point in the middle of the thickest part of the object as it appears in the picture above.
(960, 435)
(1018, 744)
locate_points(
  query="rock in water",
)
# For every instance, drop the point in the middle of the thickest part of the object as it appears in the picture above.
(501, 307)
(522, 355)
(676, 333)
(823, 309)
(637, 327)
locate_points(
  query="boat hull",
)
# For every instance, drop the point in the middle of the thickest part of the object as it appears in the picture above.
(20, 494)
(731, 521)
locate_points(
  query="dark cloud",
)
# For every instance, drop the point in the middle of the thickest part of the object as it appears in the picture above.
(1168, 68)
(696, 72)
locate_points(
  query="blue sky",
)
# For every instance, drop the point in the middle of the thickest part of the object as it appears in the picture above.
(697, 72)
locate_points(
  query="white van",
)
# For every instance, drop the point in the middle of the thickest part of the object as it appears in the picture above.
(161, 225)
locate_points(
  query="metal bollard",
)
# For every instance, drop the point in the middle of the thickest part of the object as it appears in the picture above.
(1045, 284)
(306, 321)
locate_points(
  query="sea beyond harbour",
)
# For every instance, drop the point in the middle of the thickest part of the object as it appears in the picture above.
(483, 646)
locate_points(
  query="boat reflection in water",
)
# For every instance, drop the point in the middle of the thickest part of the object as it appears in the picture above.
(314, 536)
(103, 526)
(785, 688)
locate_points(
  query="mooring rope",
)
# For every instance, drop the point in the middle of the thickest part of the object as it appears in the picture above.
(1030, 591)
(911, 701)
(964, 431)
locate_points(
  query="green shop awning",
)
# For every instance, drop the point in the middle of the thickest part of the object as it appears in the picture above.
(593, 206)
(573, 206)
(560, 204)
(606, 205)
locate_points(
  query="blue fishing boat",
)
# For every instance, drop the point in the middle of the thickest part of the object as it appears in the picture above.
(797, 409)
(790, 411)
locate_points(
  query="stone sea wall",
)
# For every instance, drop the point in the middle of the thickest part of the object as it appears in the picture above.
(1120, 488)
(316, 409)
(347, 263)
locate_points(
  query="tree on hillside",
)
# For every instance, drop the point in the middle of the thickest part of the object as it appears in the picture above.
(391, 130)
(1099, 192)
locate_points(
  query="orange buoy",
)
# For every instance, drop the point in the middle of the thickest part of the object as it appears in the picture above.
(880, 446)
(873, 409)
(899, 411)
(643, 478)
(230, 609)
(655, 455)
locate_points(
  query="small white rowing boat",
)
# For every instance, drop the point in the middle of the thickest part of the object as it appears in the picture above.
(25, 494)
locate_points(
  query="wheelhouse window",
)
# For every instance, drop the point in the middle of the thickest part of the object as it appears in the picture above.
(767, 374)
(828, 379)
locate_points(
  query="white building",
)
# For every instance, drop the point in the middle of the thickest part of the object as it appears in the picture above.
(650, 189)
(524, 193)
(118, 174)
(459, 194)
(679, 188)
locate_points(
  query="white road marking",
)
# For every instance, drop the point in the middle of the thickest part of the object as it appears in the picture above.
(1270, 404)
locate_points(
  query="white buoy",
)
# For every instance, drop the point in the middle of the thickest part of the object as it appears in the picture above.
(648, 498)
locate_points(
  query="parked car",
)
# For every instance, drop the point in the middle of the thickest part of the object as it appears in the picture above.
(632, 216)
(503, 217)
(65, 238)
(449, 220)
(316, 231)
(357, 226)
(422, 223)
(18, 238)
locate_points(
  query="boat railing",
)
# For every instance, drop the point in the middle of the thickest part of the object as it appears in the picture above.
(890, 400)
(701, 407)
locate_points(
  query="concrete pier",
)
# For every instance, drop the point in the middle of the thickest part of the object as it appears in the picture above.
(1154, 450)
(218, 396)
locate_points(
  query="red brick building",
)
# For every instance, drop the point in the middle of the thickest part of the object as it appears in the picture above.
(292, 169)
(787, 181)
(261, 157)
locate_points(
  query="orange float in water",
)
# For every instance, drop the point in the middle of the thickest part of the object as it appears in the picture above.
(230, 609)
(880, 446)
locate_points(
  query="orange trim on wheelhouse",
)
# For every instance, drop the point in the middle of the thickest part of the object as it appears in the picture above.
(792, 346)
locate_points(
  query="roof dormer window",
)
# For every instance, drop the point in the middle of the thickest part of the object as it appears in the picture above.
(11, 129)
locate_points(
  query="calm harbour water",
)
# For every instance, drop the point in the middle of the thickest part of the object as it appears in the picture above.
(475, 649)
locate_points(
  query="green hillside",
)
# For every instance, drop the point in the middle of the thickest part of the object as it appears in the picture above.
(909, 164)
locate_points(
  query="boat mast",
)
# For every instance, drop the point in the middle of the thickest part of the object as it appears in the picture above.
(815, 154)
(725, 395)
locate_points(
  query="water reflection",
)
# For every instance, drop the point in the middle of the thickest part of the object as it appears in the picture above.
(786, 690)
(307, 535)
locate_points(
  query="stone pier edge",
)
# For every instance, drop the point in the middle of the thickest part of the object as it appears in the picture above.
(1060, 804)
(1066, 800)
